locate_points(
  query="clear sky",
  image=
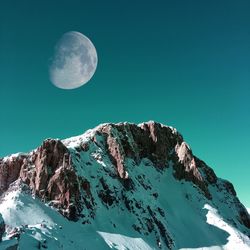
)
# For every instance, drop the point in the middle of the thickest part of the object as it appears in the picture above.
(182, 63)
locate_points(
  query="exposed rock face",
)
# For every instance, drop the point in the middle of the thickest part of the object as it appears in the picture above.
(48, 172)
(63, 173)
(153, 141)
(9, 171)
(148, 140)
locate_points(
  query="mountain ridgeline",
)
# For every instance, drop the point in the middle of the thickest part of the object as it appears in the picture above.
(118, 186)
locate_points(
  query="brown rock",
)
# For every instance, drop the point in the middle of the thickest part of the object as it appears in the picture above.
(54, 178)
(49, 173)
(9, 171)
(156, 142)
(211, 178)
(148, 140)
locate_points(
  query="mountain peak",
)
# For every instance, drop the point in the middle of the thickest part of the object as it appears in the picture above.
(145, 174)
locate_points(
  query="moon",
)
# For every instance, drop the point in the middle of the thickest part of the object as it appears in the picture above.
(74, 61)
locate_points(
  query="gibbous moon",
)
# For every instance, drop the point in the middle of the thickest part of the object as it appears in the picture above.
(74, 61)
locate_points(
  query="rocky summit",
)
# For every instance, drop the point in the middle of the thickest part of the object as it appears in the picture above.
(118, 186)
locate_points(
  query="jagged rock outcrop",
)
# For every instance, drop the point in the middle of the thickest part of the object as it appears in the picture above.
(155, 141)
(10, 171)
(49, 173)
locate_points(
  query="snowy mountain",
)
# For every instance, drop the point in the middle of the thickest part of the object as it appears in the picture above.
(118, 186)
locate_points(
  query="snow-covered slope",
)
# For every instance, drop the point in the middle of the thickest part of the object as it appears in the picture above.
(119, 186)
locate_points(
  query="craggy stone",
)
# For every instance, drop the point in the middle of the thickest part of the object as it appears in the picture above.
(211, 178)
(149, 140)
(156, 142)
(10, 170)
(48, 171)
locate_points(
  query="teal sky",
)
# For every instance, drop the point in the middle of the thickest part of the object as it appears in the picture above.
(182, 63)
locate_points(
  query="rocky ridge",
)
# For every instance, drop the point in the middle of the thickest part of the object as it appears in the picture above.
(76, 175)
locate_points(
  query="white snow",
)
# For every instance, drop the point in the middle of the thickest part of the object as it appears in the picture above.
(19, 209)
(118, 241)
(10, 157)
(75, 141)
(236, 239)
(41, 224)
